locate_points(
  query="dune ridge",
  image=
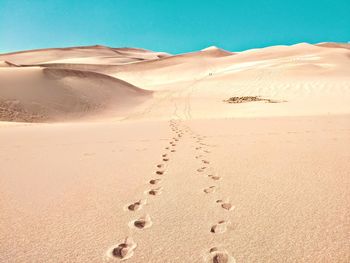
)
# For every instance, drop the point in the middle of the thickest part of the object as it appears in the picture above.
(312, 79)
(37, 56)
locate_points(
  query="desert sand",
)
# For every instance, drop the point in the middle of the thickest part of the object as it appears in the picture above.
(125, 154)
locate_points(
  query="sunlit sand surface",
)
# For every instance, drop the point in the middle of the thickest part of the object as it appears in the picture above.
(111, 155)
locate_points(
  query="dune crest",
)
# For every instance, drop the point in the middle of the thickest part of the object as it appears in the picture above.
(100, 53)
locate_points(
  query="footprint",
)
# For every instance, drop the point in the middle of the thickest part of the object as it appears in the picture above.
(214, 177)
(167, 148)
(160, 172)
(165, 159)
(205, 161)
(160, 165)
(201, 169)
(156, 191)
(206, 151)
(173, 151)
(198, 148)
(124, 250)
(154, 181)
(220, 256)
(164, 155)
(227, 206)
(143, 222)
(219, 201)
(210, 189)
(137, 205)
(199, 156)
(89, 154)
(220, 227)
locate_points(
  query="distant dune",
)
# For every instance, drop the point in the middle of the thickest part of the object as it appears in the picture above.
(81, 82)
(88, 54)
(334, 45)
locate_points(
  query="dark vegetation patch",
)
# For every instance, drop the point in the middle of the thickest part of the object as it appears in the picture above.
(13, 111)
(245, 99)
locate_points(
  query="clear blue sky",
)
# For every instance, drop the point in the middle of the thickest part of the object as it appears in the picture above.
(174, 26)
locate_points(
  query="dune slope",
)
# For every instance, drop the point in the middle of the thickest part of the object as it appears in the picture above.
(88, 54)
(308, 79)
(42, 94)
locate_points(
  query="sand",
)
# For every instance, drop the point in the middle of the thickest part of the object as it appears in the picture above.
(107, 159)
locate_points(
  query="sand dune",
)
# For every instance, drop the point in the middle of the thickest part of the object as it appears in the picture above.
(42, 88)
(334, 45)
(42, 94)
(189, 66)
(97, 54)
(166, 68)
(218, 62)
(129, 155)
(309, 79)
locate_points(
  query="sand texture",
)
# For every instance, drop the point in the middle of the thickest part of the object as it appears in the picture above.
(124, 154)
